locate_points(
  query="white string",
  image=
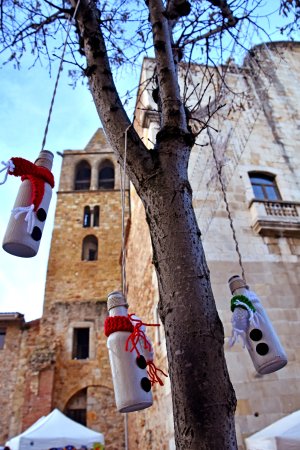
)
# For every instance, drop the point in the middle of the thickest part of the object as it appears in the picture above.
(123, 186)
(252, 314)
(223, 188)
(123, 274)
(257, 108)
(9, 167)
(58, 75)
(241, 319)
(29, 218)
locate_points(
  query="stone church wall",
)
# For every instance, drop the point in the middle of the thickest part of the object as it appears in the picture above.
(264, 138)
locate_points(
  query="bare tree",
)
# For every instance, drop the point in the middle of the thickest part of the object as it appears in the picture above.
(203, 397)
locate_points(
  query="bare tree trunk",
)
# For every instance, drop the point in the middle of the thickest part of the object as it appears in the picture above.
(203, 397)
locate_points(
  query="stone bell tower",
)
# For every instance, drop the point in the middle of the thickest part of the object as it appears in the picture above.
(86, 240)
(84, 266)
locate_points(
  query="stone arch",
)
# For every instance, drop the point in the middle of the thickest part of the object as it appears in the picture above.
(106, 175)
(76, 407)
(99, 398)
(89, 248)
(82, 178)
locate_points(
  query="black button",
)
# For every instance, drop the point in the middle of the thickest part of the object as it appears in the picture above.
(36, 234)
(255, 334)
(262, 348)
(41, 214)
(141, 362)
(146, 384)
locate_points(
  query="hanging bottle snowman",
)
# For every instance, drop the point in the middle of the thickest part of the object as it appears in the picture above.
(251, 323)
(130, 355)
(27, 220)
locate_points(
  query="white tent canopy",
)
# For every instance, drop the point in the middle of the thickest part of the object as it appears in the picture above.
(55, 430)
(281, 435)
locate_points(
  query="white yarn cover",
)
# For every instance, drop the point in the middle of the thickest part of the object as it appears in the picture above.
(242, 319)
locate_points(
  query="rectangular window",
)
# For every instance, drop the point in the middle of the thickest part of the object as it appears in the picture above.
(81, 343)
(86, 217)
(96, 216)
(2, 337)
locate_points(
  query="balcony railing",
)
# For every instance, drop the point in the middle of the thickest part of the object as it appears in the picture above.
(275, 218)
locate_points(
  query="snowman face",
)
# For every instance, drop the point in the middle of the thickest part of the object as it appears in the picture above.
(142, 364)
(261, 348)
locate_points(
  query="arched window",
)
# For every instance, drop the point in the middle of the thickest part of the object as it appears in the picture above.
(86, 217)
(90, 248)
(106, 178)
(96, 212)
(264, 186)
(76, 407)
(82, 176)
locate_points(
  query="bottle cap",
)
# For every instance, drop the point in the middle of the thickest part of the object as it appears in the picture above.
(115, 299)
(236, 282)
(45, 159)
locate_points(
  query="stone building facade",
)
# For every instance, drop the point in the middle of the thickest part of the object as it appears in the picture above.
(257, 149)
(61, 359)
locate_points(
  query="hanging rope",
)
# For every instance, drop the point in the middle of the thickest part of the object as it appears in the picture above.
(123, 205)
(123, 274)
(223, 187)
(58, 75)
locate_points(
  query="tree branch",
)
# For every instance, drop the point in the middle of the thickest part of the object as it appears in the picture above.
(217, 30)
(171, 104)
(64, 10)
(225, 10)
(106, 98)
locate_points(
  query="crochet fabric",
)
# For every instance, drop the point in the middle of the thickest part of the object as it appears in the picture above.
(37, 176)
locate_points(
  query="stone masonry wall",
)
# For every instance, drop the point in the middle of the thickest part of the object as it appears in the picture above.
(68, 277)
(93, 374)
(271, 262)
(263, 137)
(9, 363)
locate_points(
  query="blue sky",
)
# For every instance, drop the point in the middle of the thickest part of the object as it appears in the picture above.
(25, 97)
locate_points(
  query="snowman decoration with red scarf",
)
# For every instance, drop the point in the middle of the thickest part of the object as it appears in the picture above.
(27, 220)
(131, 356)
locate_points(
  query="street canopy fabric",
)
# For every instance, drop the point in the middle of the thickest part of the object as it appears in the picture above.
(55, 431)
(281, 435)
